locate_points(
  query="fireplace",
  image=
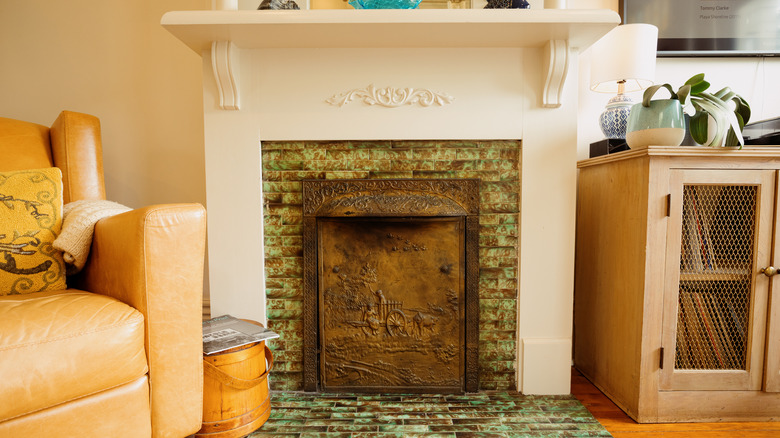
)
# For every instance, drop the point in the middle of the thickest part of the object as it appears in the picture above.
(391, 285)
(395, 186)
(390, 77)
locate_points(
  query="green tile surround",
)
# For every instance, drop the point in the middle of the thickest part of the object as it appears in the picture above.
(493, 414)
(495, 163)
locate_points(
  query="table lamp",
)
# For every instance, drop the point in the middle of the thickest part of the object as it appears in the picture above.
(622, 61)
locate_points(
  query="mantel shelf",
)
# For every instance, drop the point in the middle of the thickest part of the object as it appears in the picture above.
(555, 31)
(346, 28)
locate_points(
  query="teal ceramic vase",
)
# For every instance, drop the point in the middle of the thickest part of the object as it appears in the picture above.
(662, 123)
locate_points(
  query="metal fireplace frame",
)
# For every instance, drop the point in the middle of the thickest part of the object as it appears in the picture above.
(389, 198)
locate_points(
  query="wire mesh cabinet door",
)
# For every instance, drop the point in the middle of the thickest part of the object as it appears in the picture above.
(716, 299)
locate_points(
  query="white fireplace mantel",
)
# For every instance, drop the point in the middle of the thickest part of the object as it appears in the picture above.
(554, 30)
(498, 74)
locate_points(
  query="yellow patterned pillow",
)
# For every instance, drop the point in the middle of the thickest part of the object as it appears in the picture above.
(30, 220)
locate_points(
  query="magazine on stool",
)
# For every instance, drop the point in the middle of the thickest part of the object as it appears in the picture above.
(226, 332)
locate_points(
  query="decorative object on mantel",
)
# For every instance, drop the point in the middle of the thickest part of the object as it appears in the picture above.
(507, 4)
(623, 61)
(384, 4)
(555, 4)
(391, 97)
(277, 5)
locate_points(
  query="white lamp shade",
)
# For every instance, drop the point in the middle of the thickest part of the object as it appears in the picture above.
(626, 53)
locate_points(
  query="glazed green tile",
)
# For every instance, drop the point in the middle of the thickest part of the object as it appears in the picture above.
(392, 154)
(495, 314)
(296, 175)
(326, 435)
(427, 421)
(280, 366)
(404, 428)
(354, 428)
(391, 175)
(283, 272)
(379, 421)
(284, 230)
(282, 292)
(282, 187)
(503, 197)
(346, 175)
(268, 145)
(272, 198)
(262, 434)
(351, 154)
(282, 421)
(501, 165)
(498, 325)
(508, 175)
(499, 230)
(371, 144)
(282, 165)
(435, 154)
(301, 429)
(284, 314)
(283, 251)
(500, 207)
(497, 304)
(292, 198)
(498, 262)
(435, 174)
(284, 262)
(498, 218)
(305, 154)
(353, 415)
(378, 435)
(457, 165)
(497, 252)
(329, 422)
(290, 325)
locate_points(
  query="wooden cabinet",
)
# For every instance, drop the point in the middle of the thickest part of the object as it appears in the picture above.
(676, 307)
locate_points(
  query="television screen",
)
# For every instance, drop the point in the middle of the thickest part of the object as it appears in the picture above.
(709, 27)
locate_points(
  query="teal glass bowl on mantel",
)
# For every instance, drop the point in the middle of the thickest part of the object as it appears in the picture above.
(662, 123)
(384, 4)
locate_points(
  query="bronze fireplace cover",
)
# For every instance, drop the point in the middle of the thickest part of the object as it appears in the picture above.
(393, 282)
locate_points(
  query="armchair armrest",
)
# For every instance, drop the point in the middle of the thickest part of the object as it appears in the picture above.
(152, 259)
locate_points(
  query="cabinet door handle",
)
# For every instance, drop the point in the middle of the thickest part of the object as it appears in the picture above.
(769, 271)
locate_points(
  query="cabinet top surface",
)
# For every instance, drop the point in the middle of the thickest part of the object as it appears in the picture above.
(729, 153)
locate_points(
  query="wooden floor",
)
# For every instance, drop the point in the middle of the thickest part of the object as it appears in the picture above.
(621, 425)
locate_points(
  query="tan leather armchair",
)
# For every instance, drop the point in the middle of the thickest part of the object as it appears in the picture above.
(119, 353)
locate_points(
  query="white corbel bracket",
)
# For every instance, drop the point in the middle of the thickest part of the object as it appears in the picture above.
(556, 58)
(225, 65)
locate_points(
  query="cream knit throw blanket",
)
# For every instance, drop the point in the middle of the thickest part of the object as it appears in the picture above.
(78, 224)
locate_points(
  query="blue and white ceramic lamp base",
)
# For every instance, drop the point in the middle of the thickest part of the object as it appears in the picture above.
(614, 119)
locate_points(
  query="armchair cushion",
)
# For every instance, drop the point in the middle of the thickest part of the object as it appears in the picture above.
(30, 220)
(59, 346)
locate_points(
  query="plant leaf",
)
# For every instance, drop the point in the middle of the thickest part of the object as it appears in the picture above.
(684, 95)
(698, 127)
(743, 109)
(697, 83)
(650, 91)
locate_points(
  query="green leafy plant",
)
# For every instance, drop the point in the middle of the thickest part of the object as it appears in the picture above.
(727, 109)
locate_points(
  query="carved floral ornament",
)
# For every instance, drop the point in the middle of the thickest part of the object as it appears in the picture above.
(391, 97)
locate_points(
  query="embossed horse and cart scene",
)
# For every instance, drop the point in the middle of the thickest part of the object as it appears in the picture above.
(391, 316)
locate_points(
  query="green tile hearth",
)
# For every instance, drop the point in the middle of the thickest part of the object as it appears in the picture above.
(491, 414)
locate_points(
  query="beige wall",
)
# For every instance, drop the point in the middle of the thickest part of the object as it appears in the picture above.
(112, 59)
